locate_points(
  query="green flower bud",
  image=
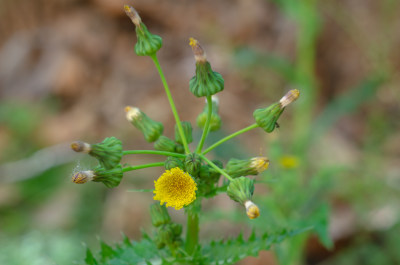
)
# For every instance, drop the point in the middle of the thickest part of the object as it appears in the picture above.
(165, 234)
(267, 118)
(253, 166)
(147, 44)
(241, 189)
(215, 122)
(204, 172)
(187, 131)
(159, 215)
(151, 130)
(108, 152)
(176, 229)
(192, 164)
(179, 148)
(206, 82)
(173, 162)
(110, 177)
(165, 144)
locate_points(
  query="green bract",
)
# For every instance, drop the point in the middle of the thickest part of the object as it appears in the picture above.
(187, 131)
(110, 177)
(241, 189)
(165, 144)
(151, 129)
(268, 117)
(147, 43)
(173, 162)
(192, 164)
(159, 215)
(206, 82)
(108, 152)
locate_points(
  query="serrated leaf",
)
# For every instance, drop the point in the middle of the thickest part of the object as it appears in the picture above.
(106, 251)
(90, 260)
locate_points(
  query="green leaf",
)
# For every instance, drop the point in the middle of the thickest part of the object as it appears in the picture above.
(90, 260)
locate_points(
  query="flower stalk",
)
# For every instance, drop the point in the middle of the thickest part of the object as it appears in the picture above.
(206, 127)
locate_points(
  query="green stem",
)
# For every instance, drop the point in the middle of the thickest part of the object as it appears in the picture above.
(158, 164)
(152, 152)
(221, 171)
(192, 233)
(206, 126)
(171, 102)
(255, 125)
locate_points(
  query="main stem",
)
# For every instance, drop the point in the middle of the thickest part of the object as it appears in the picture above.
(192, 233)
(206, 126)
(255, 125)
(158, 164)
(171, 102)
(152, 152)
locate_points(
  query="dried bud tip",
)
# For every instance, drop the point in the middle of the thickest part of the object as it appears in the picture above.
(133, 15)
(198, 51)
(252, 210)
(79, 146)
(132, 113)
(290, 96)
(260, 164)
(83, 177)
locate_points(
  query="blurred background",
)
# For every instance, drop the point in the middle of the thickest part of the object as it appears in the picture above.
(68, 69)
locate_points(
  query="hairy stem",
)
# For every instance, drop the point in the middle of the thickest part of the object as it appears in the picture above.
(216, 167)
(230, 137)
(206, 126)
(158, 164)
(171, 102)
(152, 152)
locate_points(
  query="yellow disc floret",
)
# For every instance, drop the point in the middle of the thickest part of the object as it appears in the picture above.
(176, 188)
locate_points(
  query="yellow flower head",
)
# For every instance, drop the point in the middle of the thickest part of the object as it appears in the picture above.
(176, 188)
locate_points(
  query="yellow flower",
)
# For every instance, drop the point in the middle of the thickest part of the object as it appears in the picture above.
(289, 162)
(176, 188)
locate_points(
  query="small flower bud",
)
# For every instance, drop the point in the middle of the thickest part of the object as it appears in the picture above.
(253, 166)
(176, 229)
(83, 177)
(147, 43)
(165, 144)
(267, 118)
(108, 152)
(206, 82)
(150, 129)
(173, 162)
(110, 177)
(215, 122)
(252, 210)
(159, 215)
(81, 147)
(165, 234)
(179, 148)
(187, 131)
(241, 190)
(192, 164)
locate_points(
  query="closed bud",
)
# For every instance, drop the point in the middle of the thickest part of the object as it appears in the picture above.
(159, 215)
(165, 234)
(147, 44)
(179, 148)
(267, 118)
(192, 164)
(241, 189)
(215, 122)
(151, 130)
(187, 131)
(214, 174)
(173, 162)
(109, 177)
(253, 166)
(108, 152)
(176, 229)
(165, 144)
(252, 210)
(206, 82)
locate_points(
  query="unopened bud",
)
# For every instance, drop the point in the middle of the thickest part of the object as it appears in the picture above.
(187, 131)
(241, 189)
(109, 177)
(147, 44)
(165, 144)
(215, 122)
(159, 215)
(83, 177)
(206, 82)
(192, 164)
(173, 162)
(151, 129)
(81, 147)
(252, 210)
(253, 166)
